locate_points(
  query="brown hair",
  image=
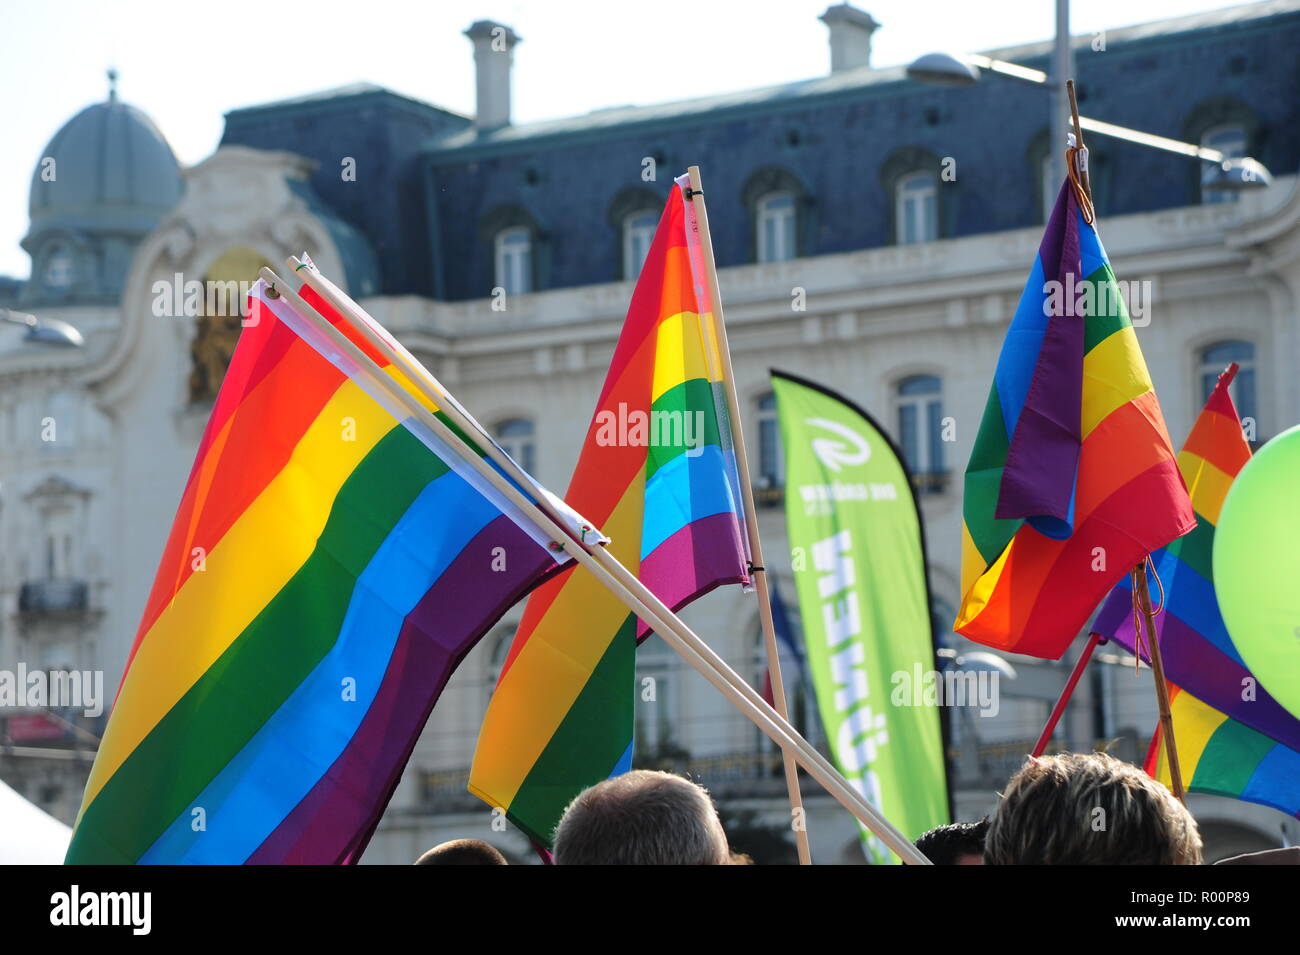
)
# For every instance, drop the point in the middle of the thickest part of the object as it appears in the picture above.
(462, 852)
(1089, 809)
(643, 817)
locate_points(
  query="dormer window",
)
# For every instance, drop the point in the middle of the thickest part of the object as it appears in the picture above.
(638, 233)
(514, 260)
(780, 210)
(1231, 141)
(775, 227)
(916, 208)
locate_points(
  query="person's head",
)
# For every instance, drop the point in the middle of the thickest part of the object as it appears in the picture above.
(1089, 809)
(462, 852)
(961, 843)
(641, 818)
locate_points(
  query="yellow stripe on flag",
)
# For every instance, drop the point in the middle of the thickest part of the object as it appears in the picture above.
(252, 562)
(1207, 484)
(679, 353)
(1113, 375)
(978, 594)
(549, 679)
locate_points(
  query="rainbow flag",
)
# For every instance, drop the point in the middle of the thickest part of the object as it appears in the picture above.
(1195, 648)
(330, 564)
(1072, 480)
(658, 475)
(1223, 757)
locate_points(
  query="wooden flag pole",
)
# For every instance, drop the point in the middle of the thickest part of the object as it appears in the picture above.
(607, 570)
(1142, 601)
(1078, 137)
(696, 197)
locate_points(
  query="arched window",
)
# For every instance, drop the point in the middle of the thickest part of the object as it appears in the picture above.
(516, 437)
(638, 232)
(771, 461)
(776, 227)
(514, 260)
(1215, 358)
(1229, 139)
(916, 215)
(920, 430)
(778, 203)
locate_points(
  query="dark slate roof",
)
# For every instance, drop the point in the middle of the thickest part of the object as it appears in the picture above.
(469, 143)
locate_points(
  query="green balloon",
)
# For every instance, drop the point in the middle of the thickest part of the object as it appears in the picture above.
(1257, 566)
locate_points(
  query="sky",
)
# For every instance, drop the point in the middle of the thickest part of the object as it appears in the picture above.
(186, 64)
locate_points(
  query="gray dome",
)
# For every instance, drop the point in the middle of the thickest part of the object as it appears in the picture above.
(112, 170)
(103, 183)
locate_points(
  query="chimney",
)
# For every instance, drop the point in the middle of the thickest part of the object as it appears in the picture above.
(494, 45)
(851, 31)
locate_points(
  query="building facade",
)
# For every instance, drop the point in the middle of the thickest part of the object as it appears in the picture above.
(870, 231)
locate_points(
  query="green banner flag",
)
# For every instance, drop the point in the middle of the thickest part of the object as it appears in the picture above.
(859, 562)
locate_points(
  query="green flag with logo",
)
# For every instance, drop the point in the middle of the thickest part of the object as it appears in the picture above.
(859, 568)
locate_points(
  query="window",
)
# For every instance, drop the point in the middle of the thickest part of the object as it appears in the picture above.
(59, 268)
(516, 437)
(776, 227)
(920, 430)
(638, 232)
(655, 711)
(1217, 357)
(771, 461)
(58, 557)
(916, 208)
(1229, 140)
(514, 260)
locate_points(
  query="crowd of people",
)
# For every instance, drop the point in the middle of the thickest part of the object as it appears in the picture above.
(1071, 809)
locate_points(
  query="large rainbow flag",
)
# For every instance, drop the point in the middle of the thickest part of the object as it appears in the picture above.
(1196, 650)
(1223, 757)
(327, 569)
(658, 475)
(1072, 480)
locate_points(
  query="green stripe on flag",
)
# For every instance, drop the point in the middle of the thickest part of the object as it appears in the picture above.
(213, 721)
(683, 411)
(588, 743)
(1230, 758)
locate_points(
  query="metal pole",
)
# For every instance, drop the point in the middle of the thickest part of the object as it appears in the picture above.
(1062, 70)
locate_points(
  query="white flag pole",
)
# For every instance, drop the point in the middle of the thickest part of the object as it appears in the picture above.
(695, 197)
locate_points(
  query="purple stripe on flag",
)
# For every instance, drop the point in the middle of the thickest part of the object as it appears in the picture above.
(1043, 457)
(692, 561)
(445, 625)
(1203, 670)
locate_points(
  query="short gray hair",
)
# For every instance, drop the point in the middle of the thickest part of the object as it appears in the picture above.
(641, 818)
(1089, 809)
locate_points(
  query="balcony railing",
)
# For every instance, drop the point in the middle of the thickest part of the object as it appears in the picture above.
(54, 595)
(933, 482)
